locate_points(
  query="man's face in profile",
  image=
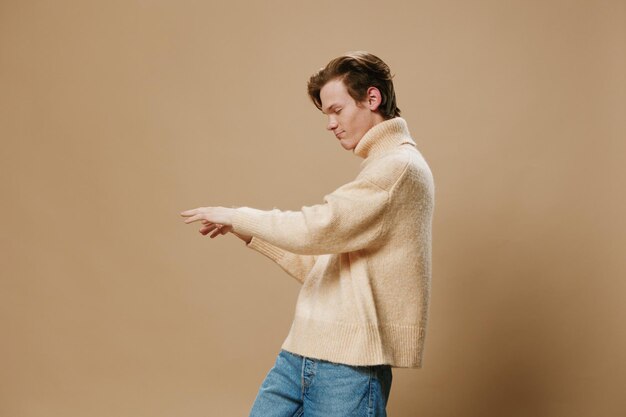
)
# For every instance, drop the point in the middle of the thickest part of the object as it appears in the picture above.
(347, 119)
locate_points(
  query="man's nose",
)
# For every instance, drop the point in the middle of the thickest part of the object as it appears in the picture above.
(332, 124)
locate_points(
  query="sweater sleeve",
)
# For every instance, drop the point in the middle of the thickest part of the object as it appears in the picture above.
(351, 218)
(298, 266)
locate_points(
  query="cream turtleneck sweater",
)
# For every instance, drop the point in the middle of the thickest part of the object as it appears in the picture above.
(363, 256)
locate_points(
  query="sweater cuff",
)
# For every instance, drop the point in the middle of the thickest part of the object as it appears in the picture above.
(243, 221)
(261, 246)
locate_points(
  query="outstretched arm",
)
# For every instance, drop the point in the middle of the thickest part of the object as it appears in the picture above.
(351, 218)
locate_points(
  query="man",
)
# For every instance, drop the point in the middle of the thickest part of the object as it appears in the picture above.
(363, 256)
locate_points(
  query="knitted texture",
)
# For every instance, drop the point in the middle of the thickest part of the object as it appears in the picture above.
(363, 256)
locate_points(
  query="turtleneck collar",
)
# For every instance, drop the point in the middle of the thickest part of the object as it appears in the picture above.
(383, 137)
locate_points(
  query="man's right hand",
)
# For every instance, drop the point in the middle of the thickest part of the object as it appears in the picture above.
(221, 230)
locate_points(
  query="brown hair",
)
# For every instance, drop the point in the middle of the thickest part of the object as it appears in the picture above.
(358, 70)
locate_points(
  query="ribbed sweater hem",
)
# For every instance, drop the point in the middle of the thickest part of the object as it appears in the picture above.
(357, 344)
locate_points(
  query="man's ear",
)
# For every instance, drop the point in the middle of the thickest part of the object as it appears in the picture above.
(373, 98)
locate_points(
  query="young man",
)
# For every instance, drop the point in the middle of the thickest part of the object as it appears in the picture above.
(363, 256)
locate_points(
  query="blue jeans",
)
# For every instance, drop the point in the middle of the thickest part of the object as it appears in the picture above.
(299, 386)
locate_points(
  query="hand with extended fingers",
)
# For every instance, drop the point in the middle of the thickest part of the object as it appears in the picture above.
(217, 219)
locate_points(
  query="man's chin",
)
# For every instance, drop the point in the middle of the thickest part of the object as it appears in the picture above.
(347, 145)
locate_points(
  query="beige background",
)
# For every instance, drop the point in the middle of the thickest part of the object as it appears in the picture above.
(117, 115)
